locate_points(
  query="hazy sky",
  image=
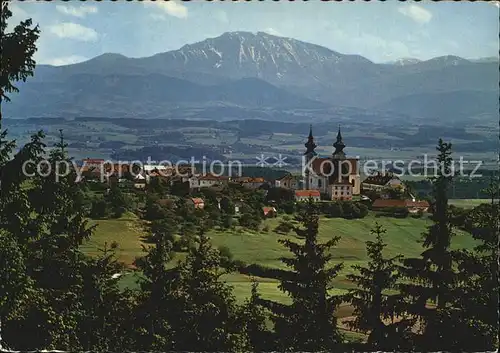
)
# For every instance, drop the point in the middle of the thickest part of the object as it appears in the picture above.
(73, 31)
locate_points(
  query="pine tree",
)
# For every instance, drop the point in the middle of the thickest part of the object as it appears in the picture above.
(155, 299)
(46, 218)
(478, 292)
(105, 325)
(254, 316)
(17, 48)
(206, 316)
(118, 202)
(42, 226)
(308, 323)
(14, 283)
(430, 279)
(372, 300)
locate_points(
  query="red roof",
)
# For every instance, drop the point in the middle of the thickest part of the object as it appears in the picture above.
(266, 210)
(307, 193)
(93, 161)
(385, 203)
(420, 204)
(323, 166)
(197, 200)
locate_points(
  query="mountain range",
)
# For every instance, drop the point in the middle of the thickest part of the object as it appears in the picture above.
(259, 71)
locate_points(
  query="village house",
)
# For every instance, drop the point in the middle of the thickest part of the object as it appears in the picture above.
(89, 163)
(207, 180)
(269, 212)
(304, 195)
(417, 206)
(140, 181)
(91, 168)
(341, 192)
(379, 182)
(288, 181)
(250, 183)
(196, 202)
(413, 206)
(108, 172)
(158, 170)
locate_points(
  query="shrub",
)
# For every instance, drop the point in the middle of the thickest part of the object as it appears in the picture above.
(250, 221)
(335, 209)
(289, 207)
(351, 211)
(225, 252)
(363, 210)
(284, 227)
(99, 209)
(264, 271)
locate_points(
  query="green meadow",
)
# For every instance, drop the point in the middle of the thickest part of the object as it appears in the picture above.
(402, 237)
(468, 203)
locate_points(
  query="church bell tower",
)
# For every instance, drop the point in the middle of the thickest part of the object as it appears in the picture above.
(309, 154)
(339, 147)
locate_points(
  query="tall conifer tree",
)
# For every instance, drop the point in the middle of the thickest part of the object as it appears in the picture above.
(373, 298)
(430, 280)
(309, 322)
(478, 292)
(206, 316)
(155, 298)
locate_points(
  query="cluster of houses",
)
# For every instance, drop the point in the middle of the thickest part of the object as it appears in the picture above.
(199, 203)
(335, 178)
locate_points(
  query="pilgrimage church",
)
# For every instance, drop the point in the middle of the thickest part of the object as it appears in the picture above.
(337, 176)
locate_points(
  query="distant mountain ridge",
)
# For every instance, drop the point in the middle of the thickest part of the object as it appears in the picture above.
(253, 70)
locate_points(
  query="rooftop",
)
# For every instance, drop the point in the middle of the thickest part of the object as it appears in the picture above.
(379, 179)
(307, 193)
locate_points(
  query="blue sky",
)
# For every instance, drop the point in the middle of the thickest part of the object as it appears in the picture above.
(74, 31)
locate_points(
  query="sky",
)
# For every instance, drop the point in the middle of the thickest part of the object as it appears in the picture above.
(74, 31)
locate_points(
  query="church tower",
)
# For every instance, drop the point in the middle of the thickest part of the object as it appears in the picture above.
(309, 154)
(339, 147)
(341, 169)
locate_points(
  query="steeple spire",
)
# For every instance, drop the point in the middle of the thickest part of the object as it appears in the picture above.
(310, 145)
(339, 146)
(339, 135)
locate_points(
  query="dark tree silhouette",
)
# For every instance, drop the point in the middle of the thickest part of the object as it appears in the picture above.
(431, 279)
(308, 323)
(373, 298)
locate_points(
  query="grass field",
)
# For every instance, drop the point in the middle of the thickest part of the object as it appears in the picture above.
(263, 248)
(126, 231)
(468, 203)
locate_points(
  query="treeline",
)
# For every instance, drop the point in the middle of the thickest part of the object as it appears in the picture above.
(461, 187)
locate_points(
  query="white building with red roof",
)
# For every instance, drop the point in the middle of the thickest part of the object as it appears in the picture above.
(304, 195)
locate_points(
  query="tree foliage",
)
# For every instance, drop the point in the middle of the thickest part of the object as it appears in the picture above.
(373, 298)
(431, 279)
(308, 283)
(206, 316)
